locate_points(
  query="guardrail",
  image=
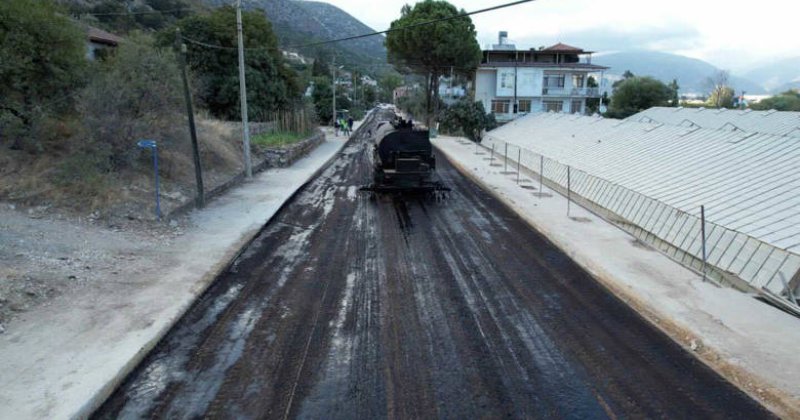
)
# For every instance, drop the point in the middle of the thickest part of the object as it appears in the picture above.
(724, 255)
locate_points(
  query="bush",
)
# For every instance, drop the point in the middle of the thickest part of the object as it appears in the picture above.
(42, 62)
(467, 118)
(135, 94)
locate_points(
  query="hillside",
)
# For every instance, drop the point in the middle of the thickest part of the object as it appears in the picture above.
(301, 22)
(690, 72)
(778, 76)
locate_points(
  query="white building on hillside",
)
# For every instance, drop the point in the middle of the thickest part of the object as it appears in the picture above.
(513, 82)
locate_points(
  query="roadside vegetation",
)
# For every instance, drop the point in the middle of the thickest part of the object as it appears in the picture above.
(69, 125)
(633, 94)
(786, 101)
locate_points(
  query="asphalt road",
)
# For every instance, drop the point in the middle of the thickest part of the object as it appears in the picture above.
(347, 306)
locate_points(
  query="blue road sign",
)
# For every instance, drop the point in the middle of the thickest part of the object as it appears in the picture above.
(147, 144)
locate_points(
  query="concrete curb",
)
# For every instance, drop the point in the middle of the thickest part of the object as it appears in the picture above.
(772, 398)
(234, 251)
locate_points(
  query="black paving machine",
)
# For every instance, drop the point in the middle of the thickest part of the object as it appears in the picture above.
(403, 160)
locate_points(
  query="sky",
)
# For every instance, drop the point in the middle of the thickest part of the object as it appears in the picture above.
(733, 35)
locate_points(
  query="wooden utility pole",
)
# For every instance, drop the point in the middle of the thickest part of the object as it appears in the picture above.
(333, 84)
(248, 169)
(180, 49)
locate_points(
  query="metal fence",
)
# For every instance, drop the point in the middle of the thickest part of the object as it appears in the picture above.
(724, 255)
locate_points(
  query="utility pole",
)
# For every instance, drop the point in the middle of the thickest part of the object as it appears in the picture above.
(248, 169)
(333, 84)
(452, 94)
(180, 49)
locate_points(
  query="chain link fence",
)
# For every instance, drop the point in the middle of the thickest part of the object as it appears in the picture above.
(723, 255)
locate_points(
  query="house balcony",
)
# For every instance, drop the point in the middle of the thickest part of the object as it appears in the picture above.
(571, 92)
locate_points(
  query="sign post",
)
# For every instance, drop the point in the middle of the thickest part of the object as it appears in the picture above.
(151, 144)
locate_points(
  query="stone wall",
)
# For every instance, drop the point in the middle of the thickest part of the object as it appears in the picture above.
(268, 158)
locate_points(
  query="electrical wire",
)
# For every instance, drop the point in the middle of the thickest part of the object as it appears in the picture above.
(143, 12)
(415, 25)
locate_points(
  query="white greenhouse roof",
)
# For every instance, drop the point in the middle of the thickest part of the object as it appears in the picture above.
(749, 181)
(780, 123)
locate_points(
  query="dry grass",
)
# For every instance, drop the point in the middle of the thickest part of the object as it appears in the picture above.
(79, 181)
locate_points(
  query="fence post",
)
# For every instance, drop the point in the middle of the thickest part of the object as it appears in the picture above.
(541, 173)
(519, 159)
(569, 191)
(703, 235)
(505, 159)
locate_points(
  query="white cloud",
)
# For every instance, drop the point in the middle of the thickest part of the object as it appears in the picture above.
(730, 34)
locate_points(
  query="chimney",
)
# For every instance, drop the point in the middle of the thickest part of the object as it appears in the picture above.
(502, 38)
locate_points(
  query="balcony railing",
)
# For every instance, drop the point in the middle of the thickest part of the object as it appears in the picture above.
(573, 92)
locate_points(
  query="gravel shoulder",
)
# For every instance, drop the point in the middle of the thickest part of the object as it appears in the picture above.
(44, 255)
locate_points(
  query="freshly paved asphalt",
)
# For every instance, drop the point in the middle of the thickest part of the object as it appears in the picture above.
(352, 306)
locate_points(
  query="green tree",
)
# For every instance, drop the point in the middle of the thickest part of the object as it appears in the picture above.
(592, 104)
(271, 85)
(625, 76)
(786, 101)
(370, 95)
(42, 61)
(721, 97)
(387, 84)
(722, 93)
(134, 94)
(322, 98)
(429, 49)
(674, 89)
(468, 118)
(637, 94)
(321, 67)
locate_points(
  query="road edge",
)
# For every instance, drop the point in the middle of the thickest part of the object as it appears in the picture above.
(773, 399)
(207, 280)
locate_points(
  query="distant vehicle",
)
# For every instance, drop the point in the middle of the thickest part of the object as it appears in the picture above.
(403, 160)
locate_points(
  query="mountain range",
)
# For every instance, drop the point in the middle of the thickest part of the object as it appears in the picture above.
(298, 23)
(692, 74)
(779, 76)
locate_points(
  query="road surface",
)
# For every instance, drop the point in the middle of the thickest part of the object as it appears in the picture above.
(347, 306)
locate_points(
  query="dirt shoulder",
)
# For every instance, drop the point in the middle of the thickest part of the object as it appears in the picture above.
(44, 254)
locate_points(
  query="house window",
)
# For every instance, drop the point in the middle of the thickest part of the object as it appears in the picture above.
(575, 107)
(554, 80)
(500, 106)
(524, 106)
(577, 80)
(553, 106)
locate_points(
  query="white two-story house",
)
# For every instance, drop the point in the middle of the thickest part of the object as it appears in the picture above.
(513, 82)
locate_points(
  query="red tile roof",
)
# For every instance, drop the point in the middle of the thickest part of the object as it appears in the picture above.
(563, 48)
(102, 37)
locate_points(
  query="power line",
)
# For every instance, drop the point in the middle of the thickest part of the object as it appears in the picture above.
(416, 25)
(219, 47)
(143, 12)
(203, 44)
